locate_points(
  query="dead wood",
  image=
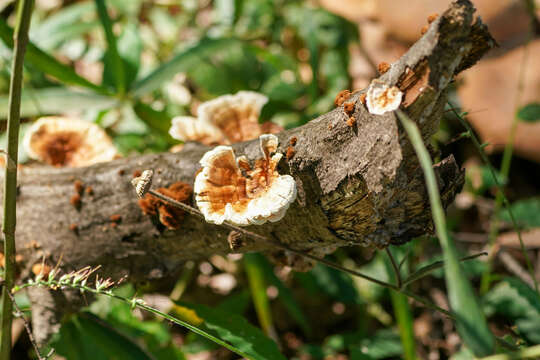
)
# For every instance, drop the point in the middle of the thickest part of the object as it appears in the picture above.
(357, 185)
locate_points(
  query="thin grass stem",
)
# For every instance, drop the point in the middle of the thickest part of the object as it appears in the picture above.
(24, 12)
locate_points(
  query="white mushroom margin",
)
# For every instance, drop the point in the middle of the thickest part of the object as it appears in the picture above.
(221, 178)
(382, 98)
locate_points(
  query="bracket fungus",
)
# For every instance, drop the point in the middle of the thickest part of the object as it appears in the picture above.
(382, 98)
(229, 189)
(62, 141)
(225, 120)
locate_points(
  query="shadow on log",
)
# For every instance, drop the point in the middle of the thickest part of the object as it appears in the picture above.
(357, 185)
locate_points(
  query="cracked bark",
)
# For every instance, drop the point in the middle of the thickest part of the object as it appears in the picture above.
(359, 185)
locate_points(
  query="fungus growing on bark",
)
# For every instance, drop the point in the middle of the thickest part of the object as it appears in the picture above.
(168, 215)
(382, 98)
(142, 182)
(229, 189)
(62, 141)
(225, 120)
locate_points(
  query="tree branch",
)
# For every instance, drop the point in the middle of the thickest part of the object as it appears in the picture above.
(359, 185)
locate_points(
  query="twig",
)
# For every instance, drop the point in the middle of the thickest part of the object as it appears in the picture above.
(514, 267)
(395, 267)
(26, 326)
(24, 13)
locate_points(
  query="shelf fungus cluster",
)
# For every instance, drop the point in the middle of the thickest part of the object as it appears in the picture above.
(229, 189)
(382, 98)
(225, 120)
(62, 141)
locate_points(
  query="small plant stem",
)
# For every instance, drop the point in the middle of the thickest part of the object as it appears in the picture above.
(281, 246)
(26, 326)
(395, 267)
(532, 352)
(24, 12)
(500, 193)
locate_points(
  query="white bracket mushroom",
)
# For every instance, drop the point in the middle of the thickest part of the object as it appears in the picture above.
(62, 141)
(224, 193)
(382, 98)
(227, 119)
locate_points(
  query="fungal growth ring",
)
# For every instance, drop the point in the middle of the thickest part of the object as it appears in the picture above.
(229, 189)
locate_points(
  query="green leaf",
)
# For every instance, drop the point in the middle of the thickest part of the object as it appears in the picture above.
(158, 121)
(66, 23)
(529, 113)
(48, 64)
(516, 301)
(470, 321)
(183, 61)
(526, 212)
(86, 337)
(233, 329)
(384, 344)
(334, 283)
(114, 68)
(57, 100)
(257, 285)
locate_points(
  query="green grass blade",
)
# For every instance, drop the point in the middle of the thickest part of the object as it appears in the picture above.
(57, 100)
(257, 285)
(181, 62)
(48, 64)
(470, 321)
(112, 56)
(404, 319)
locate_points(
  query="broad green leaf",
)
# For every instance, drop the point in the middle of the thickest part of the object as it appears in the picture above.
(232, 329)
(185, 60)
(470, 320)
(529, 113)
(257, 285)
(158, 121)
(48, 64)
(334, 283)
(384, 344)
(57, 100)
(86, 337)
(526, 212)
(114, 68)
(519, 303)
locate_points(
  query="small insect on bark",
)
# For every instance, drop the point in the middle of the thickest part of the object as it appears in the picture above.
(142, 183)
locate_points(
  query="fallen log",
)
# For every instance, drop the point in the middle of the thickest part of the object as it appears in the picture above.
(358, 183)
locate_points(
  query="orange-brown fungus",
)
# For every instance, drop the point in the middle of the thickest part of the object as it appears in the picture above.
(79, 186)
(115, 217)
(43, 269)
(424, 29)
(75, 200)
(74, 228)
(137, 173)
(431, 18)
(351, 121)
(290, 153)
(362, 98)
(169, 215)
(293, 141)
(383, 67)
(90, 190)
(58, 148)
(348, 108)
(341, 97)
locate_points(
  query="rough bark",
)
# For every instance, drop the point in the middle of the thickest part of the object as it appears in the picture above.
(359, 185)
